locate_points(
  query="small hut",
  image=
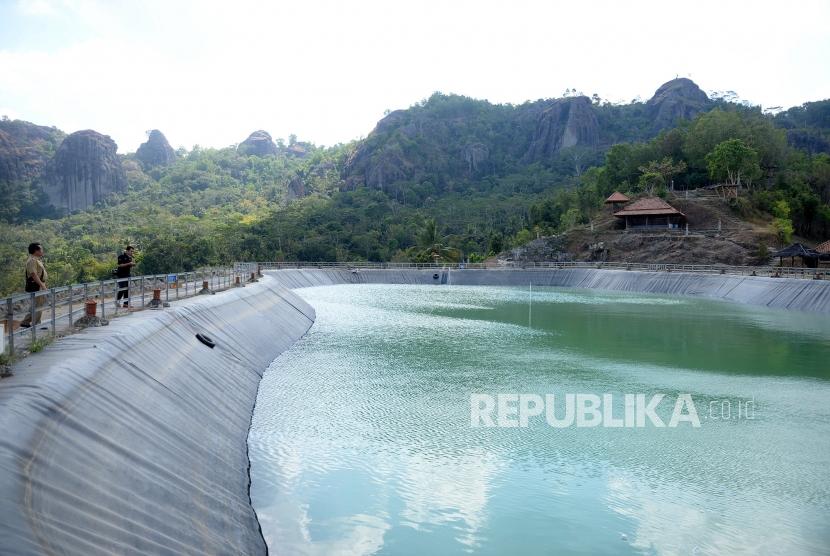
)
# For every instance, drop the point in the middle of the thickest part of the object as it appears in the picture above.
(809, 257)
(651, 213)
(823, 250)
(616, 200)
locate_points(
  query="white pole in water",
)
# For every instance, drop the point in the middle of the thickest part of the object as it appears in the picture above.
(530, 308)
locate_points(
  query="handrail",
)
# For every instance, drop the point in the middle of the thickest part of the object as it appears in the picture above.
(61, 306)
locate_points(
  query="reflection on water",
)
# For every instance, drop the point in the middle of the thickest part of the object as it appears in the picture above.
(361, 441)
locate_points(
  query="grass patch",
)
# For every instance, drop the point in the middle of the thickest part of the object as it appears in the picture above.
(39, 344)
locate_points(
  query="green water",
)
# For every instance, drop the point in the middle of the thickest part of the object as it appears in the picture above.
(362, 440)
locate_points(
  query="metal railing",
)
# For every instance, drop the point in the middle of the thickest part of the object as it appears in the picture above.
(771, 271)
(57, 310)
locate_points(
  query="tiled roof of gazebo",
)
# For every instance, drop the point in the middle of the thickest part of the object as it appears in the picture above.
(617, 197)
(649, 206)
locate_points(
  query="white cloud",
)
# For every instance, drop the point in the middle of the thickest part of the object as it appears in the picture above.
(37, 7)
(212, 72)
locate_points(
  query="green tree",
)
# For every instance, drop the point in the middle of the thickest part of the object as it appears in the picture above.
(657, 174)
(733, 161)
(433, 245)
(570, 219)
(781, 223)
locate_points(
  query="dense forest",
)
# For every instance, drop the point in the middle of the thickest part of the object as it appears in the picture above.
(450, 178)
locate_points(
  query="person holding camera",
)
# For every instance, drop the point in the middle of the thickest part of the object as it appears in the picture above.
(123, 270)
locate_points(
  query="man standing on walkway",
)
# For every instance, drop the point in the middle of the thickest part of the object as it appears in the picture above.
(35, 282)
(125, 265)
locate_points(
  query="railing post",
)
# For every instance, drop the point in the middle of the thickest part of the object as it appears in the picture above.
(103, 300)
(10, 321)
(32, 311)
(52, 304)
(142, 291)
(71, 293)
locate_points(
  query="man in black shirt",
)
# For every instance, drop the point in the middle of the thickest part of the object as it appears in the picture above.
(125, 265)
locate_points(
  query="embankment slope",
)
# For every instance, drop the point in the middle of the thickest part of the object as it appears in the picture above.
(132, 439)
(780, 293)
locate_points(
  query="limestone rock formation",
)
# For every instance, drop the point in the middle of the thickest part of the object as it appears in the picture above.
(84, 171)
(259, 143)
(677, 99)
(474, 155)
(25, 149)
(156, 151)
(377, 168)
(10, 165)
(567, 122)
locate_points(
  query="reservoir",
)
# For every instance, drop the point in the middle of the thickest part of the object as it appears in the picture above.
(363, 438)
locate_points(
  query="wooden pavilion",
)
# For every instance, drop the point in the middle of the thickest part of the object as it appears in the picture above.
(809, 257)
(651, 213)
(616, 200)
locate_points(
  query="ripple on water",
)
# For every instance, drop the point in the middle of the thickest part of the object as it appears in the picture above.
(361, 441)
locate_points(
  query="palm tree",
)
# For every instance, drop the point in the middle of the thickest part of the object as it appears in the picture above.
(432, 245)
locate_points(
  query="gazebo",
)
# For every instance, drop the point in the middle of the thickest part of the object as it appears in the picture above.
(616, 200)
(651, 212)
(809, 257)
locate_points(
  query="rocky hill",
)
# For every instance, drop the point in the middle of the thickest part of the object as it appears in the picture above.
(25, 149)
(156, 151)
(451, 139)
(84, 171)
(258, 143)
(678, 99)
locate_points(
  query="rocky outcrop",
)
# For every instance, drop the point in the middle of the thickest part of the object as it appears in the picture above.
(474, 155)
(375, 164)
(296, 188)
(549, 248)
(25, 149)
(10, 166)
(675, 100)
(449, 141)
(567, 122)
(298, 150)
(259, 143)
(84, 171)
(156, 151)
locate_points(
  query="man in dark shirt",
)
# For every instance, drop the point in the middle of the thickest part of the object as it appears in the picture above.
(125, 265)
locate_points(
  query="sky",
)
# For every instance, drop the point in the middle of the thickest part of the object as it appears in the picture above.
(209, 72)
